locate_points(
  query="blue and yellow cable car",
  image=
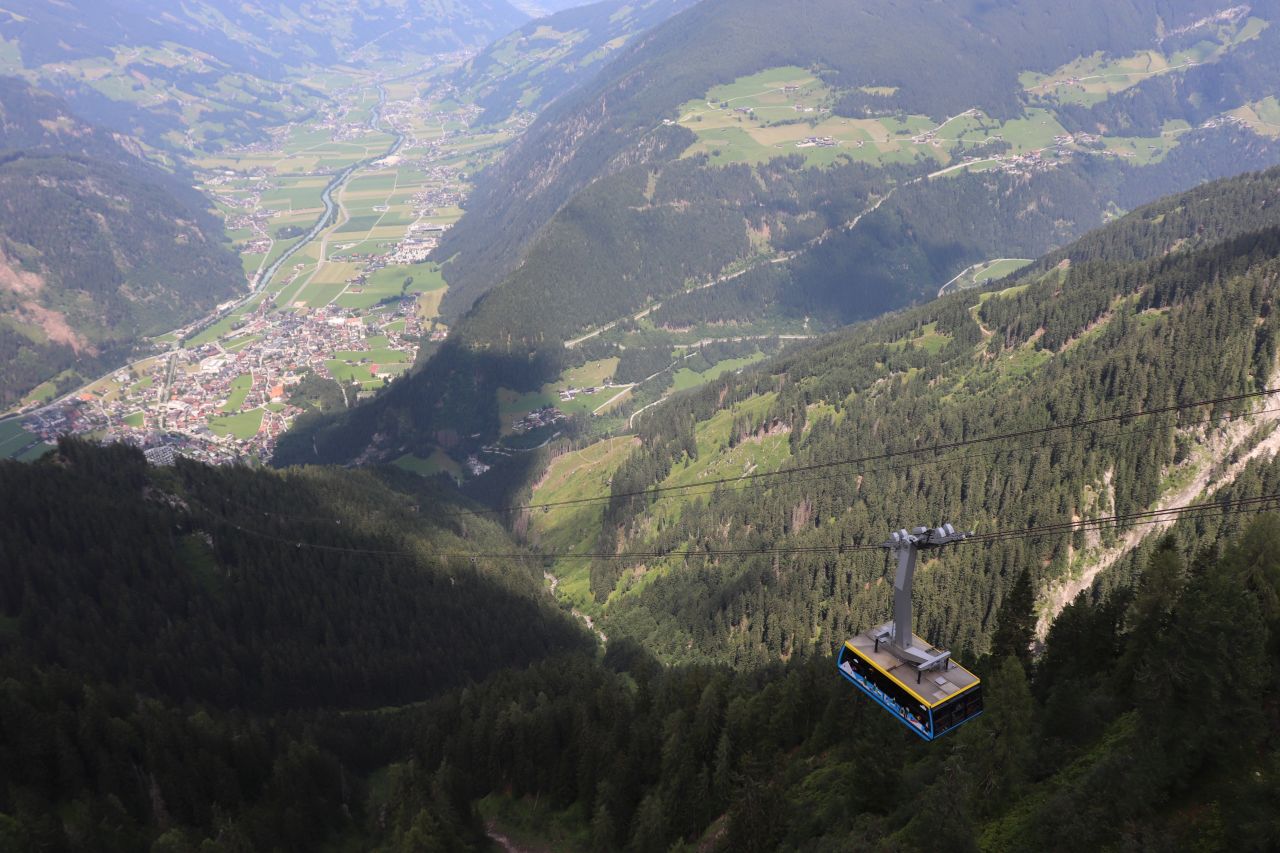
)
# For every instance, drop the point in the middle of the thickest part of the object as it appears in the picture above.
(930, 704)
(913, 680)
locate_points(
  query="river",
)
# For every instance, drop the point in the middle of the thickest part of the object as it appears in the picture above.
(330, 206)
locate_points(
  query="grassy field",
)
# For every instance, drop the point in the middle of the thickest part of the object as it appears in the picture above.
(240, 388)
(513, 405)
(999, 269)
(375, 355)
(244, 425)
(239, 343)
(223, 327)
(1263, 116)
(389, 282)
(438, 462)
(533, 825)
(586, 474)
(986, 271)
(347, 372)
(589, 374)
(783, 111)
(1090, 79)
(295, 194)
(686, 378)
(583, 473)
(42, 393)
(931, 340)
(13, 438)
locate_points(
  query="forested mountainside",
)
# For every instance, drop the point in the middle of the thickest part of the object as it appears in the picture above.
(611, 251)
(869, 59)
(97, 247)
(1114, 737)
(223, 65)
(1172, 304)
(230, 659)
(529, 68)
(167, 633)
(1140, 723)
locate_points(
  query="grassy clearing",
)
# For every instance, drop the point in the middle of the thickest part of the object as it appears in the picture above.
(686, 378)
(438, 462)
(999, 269)
(429, 304)
(34, 452)
(589, 374)
(243, 426)
(931, 340)
(1093, 78)
(359, 224)
(581, 474)
(717, 460)
(223, 327)
(1090, 79)
(13, 438)
(1263, 116)
(375, 355)
(42, 393)
(389, 282)
(240, 388)
(786, 110)
(317, 294)
(344, 372)
(239, 343)
(531, 825)
(985, 272)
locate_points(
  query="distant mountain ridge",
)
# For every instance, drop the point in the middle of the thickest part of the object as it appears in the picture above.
(527, 69)
(144, 71)
(264, 38)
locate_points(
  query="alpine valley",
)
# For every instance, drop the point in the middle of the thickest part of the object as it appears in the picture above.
(468, 426)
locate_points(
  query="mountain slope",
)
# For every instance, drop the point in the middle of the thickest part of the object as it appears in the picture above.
(1172, 303)
(97, 247)
(200, 658)
(936, 60)
(689, 195)
(172, 639)
(527, 69)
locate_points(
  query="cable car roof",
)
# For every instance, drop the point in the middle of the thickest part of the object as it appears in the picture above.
(933, 687)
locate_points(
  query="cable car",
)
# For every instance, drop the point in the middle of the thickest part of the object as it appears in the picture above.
(916, 682)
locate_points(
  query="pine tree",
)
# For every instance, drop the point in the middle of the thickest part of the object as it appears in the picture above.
(1016, 622)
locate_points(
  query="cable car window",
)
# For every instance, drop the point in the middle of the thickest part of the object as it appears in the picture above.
(882, 688)
(952, 713)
